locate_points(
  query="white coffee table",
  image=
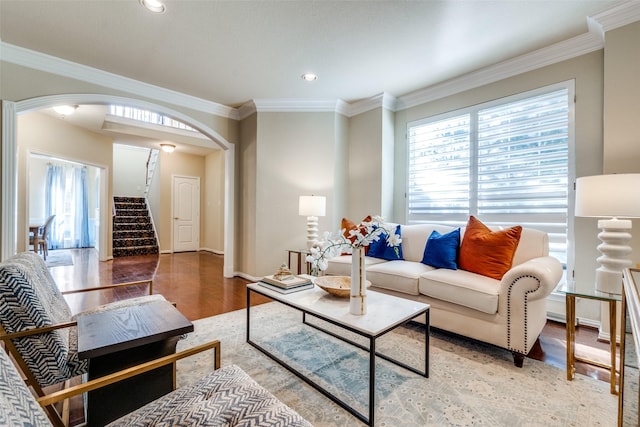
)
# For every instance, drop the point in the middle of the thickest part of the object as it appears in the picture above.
(384, 313)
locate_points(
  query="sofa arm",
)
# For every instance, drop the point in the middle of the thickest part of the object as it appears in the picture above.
(545, 273)
(523, 290)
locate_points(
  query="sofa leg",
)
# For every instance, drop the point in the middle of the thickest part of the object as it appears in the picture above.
(518, 359)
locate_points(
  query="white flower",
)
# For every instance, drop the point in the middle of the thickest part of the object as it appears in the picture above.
(393, 239)
(332, 245)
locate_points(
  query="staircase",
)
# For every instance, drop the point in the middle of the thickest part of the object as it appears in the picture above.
(133, 232)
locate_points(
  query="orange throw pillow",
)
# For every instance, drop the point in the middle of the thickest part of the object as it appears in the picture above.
(487, 252)
(348, 225)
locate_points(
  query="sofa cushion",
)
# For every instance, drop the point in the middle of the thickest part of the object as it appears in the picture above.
(533, 244)
(414, 239)
(441, 250)
(461, 287)
(487, 252)
(400, 276)
(381, 249)
(346, 225)
(341, 265)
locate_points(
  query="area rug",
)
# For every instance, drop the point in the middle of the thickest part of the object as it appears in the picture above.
(470, 383)
(59, 258)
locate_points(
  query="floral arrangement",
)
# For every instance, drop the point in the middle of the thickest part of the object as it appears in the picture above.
(335, 244)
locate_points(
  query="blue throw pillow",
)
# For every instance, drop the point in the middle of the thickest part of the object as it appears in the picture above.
(441, 250)
(380, 249)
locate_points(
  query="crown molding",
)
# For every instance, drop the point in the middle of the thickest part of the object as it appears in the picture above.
(296, 105)
(571, 48)
(246, 109)
(37, 103)
(384, 100)
(53, 65)
(617, 16)
(343, 108)
(313, 106)
(292, 106)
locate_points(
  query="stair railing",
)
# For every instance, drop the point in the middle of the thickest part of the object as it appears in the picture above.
(152, 161)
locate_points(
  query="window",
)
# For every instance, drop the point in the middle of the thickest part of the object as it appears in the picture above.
(66, 197)
(147, 117)
(506, 162)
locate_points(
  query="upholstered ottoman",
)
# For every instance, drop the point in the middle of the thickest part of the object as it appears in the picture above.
(226, 397)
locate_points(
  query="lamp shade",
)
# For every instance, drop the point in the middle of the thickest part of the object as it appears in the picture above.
(606, 196)
(312, 206)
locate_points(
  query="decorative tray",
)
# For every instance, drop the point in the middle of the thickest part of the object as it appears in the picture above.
(339, 286)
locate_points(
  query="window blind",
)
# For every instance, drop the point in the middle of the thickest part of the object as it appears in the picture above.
(439, 160)
(506, 162)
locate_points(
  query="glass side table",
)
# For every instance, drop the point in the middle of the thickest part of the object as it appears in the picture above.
(572, 294)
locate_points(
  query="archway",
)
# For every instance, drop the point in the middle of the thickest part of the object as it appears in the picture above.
(10, 111)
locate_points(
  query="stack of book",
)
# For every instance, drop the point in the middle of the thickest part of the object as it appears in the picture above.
(288, 285)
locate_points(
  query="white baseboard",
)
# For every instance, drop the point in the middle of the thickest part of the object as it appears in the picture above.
(213, 251)
(557, 317)
(246, 276)
(588, 322)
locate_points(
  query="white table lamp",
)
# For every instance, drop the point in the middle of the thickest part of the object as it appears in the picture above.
(312, 207)
(613, 197)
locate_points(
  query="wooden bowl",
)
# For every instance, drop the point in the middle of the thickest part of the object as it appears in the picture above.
(339, 286)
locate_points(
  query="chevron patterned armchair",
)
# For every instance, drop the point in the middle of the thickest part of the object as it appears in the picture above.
(36, 324)
(227, 396)
(38, 331)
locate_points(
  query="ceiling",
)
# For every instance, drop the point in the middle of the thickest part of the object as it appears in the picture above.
(232, 52)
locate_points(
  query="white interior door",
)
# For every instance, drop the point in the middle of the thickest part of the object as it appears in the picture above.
(186, 213)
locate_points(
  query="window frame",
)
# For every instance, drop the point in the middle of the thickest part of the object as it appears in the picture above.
(472, 111)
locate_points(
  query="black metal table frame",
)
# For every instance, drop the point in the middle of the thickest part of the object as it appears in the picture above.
(371, 349)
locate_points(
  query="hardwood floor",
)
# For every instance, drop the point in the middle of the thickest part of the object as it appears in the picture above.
(194, 281)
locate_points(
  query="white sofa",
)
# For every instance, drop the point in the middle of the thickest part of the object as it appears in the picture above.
(509, 313)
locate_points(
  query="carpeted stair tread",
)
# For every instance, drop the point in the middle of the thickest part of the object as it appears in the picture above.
(134, 242)
(136, 212)
(128, 226)
(135, 251)
(133, 232)
(129, 219)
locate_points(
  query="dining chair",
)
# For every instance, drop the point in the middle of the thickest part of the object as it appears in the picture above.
(40, 240)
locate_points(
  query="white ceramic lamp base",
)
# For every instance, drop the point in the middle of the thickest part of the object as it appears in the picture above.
(614, 249)
(312, 230)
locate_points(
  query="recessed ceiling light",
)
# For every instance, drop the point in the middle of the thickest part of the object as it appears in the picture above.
(155, 6)
(309, 77)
